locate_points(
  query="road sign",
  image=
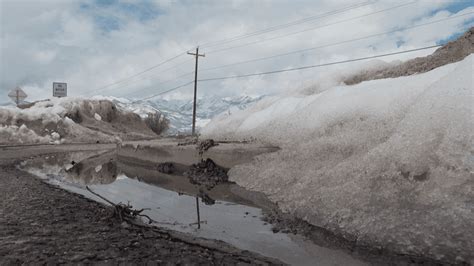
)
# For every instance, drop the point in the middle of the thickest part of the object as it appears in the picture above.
(17, 95)
(59, 89)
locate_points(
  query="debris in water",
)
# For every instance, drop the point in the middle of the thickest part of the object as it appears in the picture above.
(166, 168)
(124, 212)
(206, 173)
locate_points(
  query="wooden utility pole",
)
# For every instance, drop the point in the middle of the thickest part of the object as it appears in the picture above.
(198, 214)
(197, 55)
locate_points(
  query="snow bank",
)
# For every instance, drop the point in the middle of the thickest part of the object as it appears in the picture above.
(70, 120)
(386, 162)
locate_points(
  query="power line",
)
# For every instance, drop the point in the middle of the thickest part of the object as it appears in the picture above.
(220, 42)
(320, 65)
(304, 50)
(314, 48)
(333, 44)
(139, 73)
(160, 83)
(308, 49)
(290, 69)
(163, 92)
(285, 25)
(228, 40)
(309, 29)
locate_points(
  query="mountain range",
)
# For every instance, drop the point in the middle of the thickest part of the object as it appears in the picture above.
(180, 112)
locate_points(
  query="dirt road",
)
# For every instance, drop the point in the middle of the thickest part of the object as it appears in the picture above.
(40, 223)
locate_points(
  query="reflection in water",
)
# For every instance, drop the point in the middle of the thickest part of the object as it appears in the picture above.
(100, 169)
(174, 203)
(103, 169)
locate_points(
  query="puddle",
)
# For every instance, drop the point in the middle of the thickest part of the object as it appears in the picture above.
(173, 201)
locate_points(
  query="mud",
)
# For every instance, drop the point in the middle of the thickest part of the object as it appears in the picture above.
(43, 224)
(205, 145)
(207, 173)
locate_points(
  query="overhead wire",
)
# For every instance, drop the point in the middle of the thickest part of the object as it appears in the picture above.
(161, 72)
(319, 65)
(308, 29)
(139, 73)
(289, 70)
(284, 54)
(216, 43)
(160, 83)
(285, 25)
(163, 92)
(273, 28)
(335, 43)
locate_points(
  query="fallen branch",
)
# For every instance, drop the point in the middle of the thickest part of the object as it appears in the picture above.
(124, 212)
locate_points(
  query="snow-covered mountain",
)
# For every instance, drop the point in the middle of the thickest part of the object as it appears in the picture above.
(180, 112)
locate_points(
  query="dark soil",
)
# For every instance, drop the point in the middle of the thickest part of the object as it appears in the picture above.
(207, 173)
(43, 224)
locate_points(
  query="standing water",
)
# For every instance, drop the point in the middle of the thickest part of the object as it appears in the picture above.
(173, 202)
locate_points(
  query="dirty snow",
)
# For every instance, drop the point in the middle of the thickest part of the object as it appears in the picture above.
(385, 162)
(70, 119)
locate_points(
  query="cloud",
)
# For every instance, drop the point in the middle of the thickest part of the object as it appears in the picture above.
(90, 44)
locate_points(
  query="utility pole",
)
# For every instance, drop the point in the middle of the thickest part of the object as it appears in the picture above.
(197, 55)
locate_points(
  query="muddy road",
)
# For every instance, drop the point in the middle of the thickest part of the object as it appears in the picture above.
(41, 223)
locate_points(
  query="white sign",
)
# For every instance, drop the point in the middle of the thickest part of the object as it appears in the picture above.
(59, 89)
(17, 95)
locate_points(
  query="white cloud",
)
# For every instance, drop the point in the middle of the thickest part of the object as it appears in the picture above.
(90, 45)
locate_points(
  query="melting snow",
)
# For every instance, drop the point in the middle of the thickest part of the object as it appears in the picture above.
(389, 162)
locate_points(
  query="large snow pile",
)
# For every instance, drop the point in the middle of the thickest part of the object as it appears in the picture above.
(70, 120)
(386, 162)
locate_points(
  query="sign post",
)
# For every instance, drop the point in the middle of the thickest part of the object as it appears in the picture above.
(59, 89)
(17, 95)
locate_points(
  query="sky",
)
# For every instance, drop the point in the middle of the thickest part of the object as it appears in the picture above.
(99, 46)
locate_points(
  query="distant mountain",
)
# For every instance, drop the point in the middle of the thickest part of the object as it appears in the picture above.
(180, 112)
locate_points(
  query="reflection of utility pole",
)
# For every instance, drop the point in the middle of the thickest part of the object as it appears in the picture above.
(198, 216)
(17, 97)
(197, 55)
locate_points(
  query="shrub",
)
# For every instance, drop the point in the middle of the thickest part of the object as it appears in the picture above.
(157, 122)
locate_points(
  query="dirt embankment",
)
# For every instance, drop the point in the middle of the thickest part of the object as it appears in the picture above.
(42, 224)
(451, 52)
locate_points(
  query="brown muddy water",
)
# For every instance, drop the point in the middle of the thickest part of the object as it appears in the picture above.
(227, 211)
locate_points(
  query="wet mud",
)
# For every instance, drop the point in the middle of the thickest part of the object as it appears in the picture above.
(44, 224)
